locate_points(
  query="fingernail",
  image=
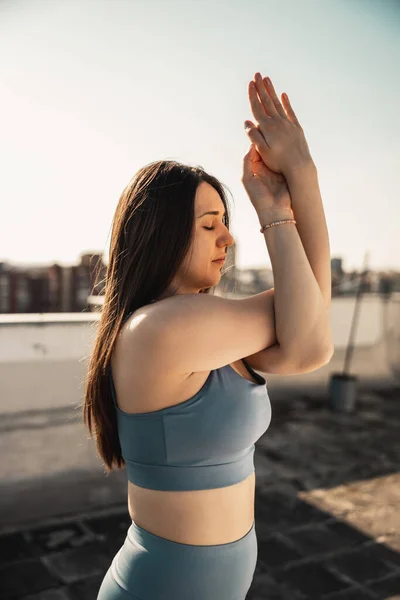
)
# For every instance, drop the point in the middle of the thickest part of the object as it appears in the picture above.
(267, 79)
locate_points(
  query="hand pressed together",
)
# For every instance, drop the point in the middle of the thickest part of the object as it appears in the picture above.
(278, 147)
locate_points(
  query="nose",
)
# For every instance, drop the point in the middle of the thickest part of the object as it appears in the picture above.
(228, 240)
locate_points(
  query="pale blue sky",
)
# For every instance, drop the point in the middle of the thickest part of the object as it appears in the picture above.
(92, 90)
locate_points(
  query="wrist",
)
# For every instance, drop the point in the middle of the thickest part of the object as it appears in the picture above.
(305, 172)
(269, 215)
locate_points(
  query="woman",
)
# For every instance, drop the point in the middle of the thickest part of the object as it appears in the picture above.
(172, 393)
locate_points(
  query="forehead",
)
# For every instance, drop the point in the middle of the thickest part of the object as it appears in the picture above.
(207, 198)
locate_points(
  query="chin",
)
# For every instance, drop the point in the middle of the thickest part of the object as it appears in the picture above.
(210, 284)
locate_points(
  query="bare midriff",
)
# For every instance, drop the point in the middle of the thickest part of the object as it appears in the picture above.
(200, 517)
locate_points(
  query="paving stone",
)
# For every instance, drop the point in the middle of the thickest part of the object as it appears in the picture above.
(317, 539)
(13, 547)
(311, 578)
(311, 481)
(109, 525)
(267, 470)
(281, 490)
(53, 594)
(351, 535)
(280, 511)
(385, 553)
(111, 530)
(25, 577)
(274, 441)
(271, 505)
(361, 566)
(275, 552)
(265, 587)
(72, 565)
(86, 589)
(304, 513)
(352, 594)
(388, 588)
(59, 537)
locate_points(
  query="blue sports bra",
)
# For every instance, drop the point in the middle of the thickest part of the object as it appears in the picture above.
(202, 443)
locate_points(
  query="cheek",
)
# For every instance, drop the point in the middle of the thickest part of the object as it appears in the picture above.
(202, 242)
(202, 253)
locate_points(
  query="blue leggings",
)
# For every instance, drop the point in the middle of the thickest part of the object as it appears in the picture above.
(148, 567)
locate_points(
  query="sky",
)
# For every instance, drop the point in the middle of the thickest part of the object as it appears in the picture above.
(93, 90)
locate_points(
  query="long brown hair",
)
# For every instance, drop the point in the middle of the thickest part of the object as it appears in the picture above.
(151, 234)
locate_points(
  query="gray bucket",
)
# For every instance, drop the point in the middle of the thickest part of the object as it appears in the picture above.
(342, 392)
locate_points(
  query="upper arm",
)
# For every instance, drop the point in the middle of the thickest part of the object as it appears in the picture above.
(201, 332)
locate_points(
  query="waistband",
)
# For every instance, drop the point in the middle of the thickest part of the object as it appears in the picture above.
(138, 535)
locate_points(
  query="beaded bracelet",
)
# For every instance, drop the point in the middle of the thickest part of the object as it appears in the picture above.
(264, 227)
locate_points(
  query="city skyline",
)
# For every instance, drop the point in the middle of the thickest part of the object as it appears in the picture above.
(92, 92)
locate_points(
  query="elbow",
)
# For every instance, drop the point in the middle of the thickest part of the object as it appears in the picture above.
(307, 357)
(329, 353)
(315, 360)
(319, 353)
(325, 356)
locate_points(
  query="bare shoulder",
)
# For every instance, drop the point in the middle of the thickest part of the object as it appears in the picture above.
(141, 379)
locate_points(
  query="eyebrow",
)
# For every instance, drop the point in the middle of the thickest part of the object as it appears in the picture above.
(211, 212)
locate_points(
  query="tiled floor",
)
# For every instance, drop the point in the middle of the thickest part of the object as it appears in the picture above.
(327, 517)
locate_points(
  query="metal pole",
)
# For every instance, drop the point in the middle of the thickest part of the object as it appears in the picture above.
(354, 322)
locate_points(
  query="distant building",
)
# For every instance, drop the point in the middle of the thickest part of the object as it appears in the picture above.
(51, 288)
(336, 266)
(78, 288)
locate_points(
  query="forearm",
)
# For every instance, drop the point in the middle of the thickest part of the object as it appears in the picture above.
(311, 225)
(301, 320)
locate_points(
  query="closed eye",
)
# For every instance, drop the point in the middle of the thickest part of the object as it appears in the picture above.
(209, 228)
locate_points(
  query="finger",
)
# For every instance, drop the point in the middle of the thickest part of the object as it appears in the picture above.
(270, 90)
(249, 160)
(249, 154)
(289, 110)
(255, 135)
(256, 107)
(266, 99)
